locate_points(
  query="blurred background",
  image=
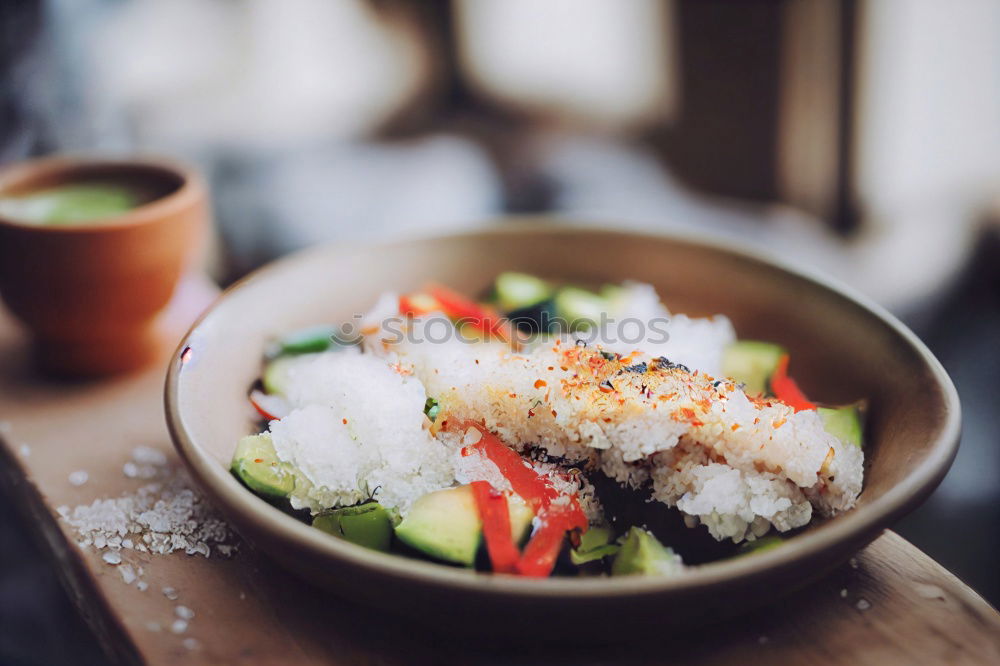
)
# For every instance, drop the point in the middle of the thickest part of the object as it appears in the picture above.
(860, 138)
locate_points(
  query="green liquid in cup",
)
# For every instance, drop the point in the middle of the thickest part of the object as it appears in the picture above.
(73, 203)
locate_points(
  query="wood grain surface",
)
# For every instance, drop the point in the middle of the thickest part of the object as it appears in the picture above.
(891, 604)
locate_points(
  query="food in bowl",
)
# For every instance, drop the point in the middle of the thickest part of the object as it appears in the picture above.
(552, 430)
(78, 202)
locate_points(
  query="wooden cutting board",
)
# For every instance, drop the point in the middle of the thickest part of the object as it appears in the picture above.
(891, 604)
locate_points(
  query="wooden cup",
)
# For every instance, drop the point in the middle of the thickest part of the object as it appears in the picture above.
(90, 293)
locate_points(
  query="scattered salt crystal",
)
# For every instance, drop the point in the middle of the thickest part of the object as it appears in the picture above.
(145, 455)
(928, 591)
(853, 562)
(142, 586)
(243, 595)
(843, 593)
(184, 613)
(25, 450)
(78, 478)
(179, 626)
(863, 605)
(112, 557)
(130, 469)
(170, 593)
(161, 517)
(153, 626)
(762, 640)
(191, 643)
(128, 573)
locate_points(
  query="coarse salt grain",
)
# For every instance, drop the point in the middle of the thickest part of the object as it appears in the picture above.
(184, 613)
(127, 573)
(161, 517)
(843, 593)
(191, 643)
(179, 626)
(25, 450)
(863, 605)
(170, 593)
(79, 477)
(112, 557)
(142, 586)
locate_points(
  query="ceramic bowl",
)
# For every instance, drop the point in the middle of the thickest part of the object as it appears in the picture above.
(89, 293)
(844, 348)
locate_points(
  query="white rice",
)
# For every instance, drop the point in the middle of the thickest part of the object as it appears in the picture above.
(357, 429)
(740, 467)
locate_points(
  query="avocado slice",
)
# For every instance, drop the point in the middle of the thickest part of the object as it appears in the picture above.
(595, 544)
(752, 363)
(641, 553)
(256, 464)
(846, 423)
(579, 308)
(445, 524)
(366, 524)
(515, 291)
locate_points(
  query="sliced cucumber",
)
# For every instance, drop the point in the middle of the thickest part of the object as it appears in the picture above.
(515, 291)
(308, 340)
(641, 553)
(595, 544)
(579, 307)
(256, 464)
(752, 363)
(367, 525)
(275, 376)
(445, 524)
(846, 423)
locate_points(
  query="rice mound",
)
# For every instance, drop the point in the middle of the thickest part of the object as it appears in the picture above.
(357, 429)
(737, 465)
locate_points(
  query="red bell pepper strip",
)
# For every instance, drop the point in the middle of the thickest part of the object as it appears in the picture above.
(459, 307)
(785, 389)
(271, 407)
(540, 554)
(495, 514)
(418, 304)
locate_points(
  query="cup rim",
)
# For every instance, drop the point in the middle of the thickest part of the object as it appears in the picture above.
(190, 190)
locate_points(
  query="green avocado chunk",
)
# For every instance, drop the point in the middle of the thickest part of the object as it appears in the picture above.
(752, 363)
(366, 524)
(445, 524)
(846, 423)
(256, 464)
(579, 308)
(641, 553)
(595, 544)
(515, 291)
